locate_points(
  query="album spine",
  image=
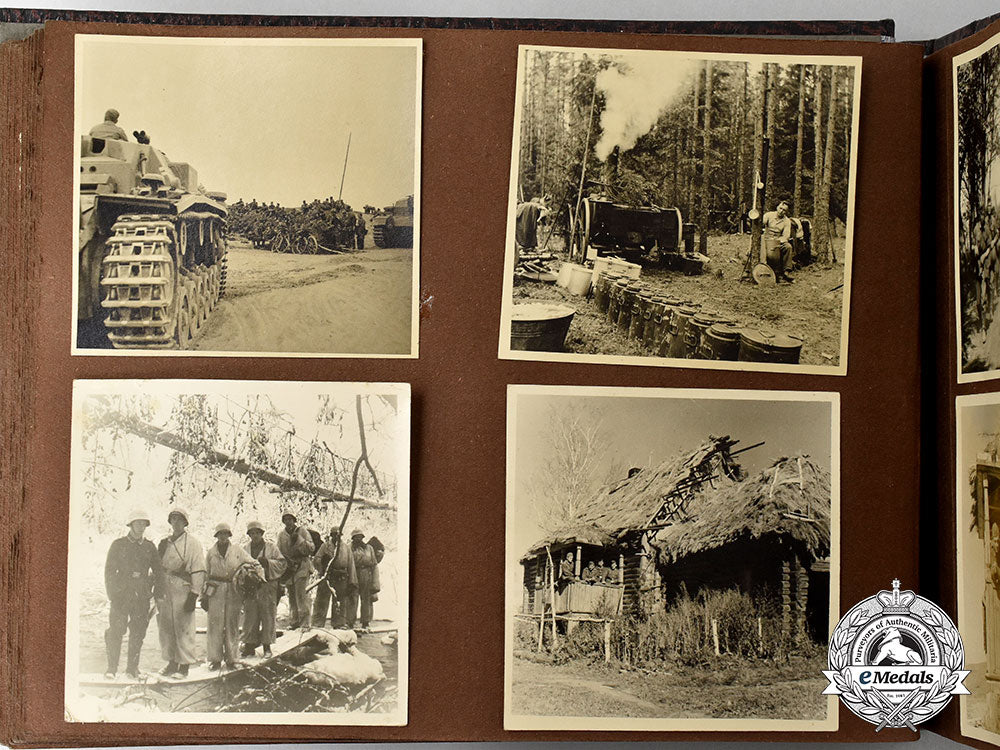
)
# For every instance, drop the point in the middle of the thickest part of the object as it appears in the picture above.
(20, 91)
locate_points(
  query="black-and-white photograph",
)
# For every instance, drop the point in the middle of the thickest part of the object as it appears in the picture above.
(238, 552)
(672, 559)
(681, 209)
(978, 549)
(977, 211)
(247, 197)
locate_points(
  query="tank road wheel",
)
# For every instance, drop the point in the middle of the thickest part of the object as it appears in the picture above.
(138, 282)
(183, 328)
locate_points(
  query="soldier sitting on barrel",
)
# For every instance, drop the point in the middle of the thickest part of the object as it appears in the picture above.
(777, 241)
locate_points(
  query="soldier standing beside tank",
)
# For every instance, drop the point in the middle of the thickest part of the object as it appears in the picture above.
(261, 610)
(360, 230)
(296, 545)
(221, 598)
(366, 560)
(182, 562)
(132, 567)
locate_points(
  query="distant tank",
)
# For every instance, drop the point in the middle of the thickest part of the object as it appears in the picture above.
(393, 227)
(152, 254)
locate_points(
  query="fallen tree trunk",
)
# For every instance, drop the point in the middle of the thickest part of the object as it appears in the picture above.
(216, 457)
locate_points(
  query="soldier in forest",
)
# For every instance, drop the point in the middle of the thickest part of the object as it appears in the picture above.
(109, 129)
(260, 610)
(777, 241)
(529, 215)
(182, 562)
(130, 571)
(334, 562)
(221, 597)
(366, 560)
(296, 545)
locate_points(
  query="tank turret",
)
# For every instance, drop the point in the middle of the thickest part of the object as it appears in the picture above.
(152, 252)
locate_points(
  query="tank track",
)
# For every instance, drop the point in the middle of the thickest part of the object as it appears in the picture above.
(150, 302)
(378, 235)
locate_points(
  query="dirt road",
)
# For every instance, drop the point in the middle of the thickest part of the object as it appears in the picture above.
(765, 691)
(359, 303)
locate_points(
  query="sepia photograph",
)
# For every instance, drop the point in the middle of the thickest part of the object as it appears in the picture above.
(977, 211)
(672, 559)
(681, 209)
(238, 552)
(246, 197)
(977, 527)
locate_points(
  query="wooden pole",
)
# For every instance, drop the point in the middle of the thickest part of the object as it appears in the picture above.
(552, 594)
(583, 173)
(715, 635)
(577, 567)
(344, 173)
(607, 641)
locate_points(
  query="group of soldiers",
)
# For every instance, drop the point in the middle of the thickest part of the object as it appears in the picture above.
(239, 586)
(594, 572)
(331, 221)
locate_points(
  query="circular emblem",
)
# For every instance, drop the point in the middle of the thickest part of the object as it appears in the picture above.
(896, 659)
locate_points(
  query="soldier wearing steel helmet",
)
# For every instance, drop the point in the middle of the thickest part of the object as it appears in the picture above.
(182, 561)
(221, 597)
(296, 544)
(129, 574)
(260, 609)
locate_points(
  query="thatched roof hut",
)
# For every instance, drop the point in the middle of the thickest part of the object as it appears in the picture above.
(696, 521)
(790, 499)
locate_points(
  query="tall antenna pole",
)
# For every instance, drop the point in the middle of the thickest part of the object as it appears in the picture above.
(344, 173)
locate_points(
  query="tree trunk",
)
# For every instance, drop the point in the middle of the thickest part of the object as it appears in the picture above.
(772, 106)
(831, 126)
(758, 137)
(706, 162)
(819, 238)
(693, 143)
(797, 194)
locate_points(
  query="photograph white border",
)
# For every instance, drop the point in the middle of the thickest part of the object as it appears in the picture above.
(82, 389)
(962, 503)
(957, 61)
(505, 352)
(82, 40)
(512, 584)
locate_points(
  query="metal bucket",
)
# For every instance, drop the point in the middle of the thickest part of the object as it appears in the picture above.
(625, 309)
(673, 342)
(615, 291)
(653, 311)
(695, 332)
(540, 327)
(639, 310)
(761, 347)
(721, 342)
(602, 288)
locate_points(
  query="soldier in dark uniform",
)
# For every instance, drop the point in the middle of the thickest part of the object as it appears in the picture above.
(360, 230)
(590, 573)
(129, 573)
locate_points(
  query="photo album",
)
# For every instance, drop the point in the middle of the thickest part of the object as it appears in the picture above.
(427, 379)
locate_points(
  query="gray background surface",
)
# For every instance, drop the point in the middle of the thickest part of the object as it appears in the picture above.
(915, 20)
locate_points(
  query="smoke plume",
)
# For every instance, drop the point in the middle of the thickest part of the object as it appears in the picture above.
(635, 92)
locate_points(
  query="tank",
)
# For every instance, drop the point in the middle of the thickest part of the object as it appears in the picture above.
(393, 227)
(152, 253)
